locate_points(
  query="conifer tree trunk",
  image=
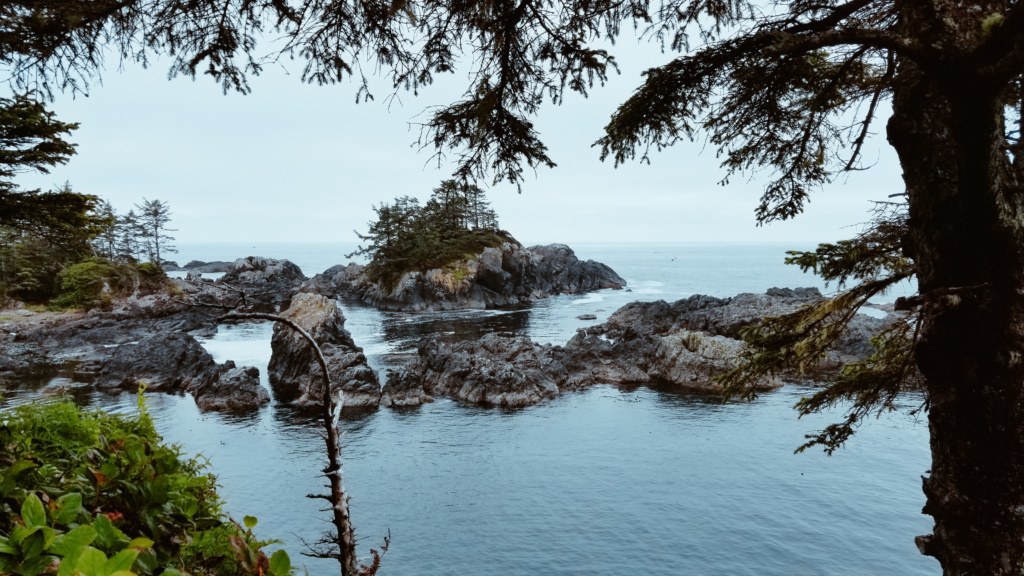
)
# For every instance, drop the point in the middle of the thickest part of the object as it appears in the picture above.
(966, 237)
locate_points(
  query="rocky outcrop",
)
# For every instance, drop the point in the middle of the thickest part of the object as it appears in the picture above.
(171, 362)
(267, 284)
(501, 277)
(235, 390)
(495, 370)
(208, 267)
(683, 344)
(293, 369)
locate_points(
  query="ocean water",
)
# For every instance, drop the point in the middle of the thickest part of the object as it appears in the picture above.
(607, 481)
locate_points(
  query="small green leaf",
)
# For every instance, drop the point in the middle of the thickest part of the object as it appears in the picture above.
(33, 545)
(280, 564)
(35, 566)
(6, 547)
(68, 508)
(69, 544)
(250, 521)
(122, 561)
(141, 543)
(32, 511)
(91, 562)
(107, 535)
(19, 533)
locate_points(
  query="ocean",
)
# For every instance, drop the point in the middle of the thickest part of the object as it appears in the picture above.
(607, 481)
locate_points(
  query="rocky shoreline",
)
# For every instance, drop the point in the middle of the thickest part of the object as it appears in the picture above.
(151, 339)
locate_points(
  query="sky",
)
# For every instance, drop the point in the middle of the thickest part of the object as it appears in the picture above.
(294, 162)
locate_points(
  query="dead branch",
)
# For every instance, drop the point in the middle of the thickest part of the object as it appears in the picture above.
(342, 543)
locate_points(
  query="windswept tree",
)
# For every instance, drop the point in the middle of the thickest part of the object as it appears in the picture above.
(792, 88)
(153, 217)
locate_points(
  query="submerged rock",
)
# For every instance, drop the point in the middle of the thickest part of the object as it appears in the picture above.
(505, 276)
(294, 371)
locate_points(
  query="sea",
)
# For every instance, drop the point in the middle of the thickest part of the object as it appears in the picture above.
(608, 481)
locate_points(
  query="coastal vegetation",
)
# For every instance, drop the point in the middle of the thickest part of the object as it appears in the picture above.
(94, 494)
(455, 224)
(63, 247)
(793, 91)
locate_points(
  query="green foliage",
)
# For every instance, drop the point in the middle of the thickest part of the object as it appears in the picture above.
(98, 495)
(31, 138)
(86, 284)
(93, 282)
(796, 342)
(455, 224)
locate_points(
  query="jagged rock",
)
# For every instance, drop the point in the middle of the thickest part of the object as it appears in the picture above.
(268, 284)
(170, 362)
(235, 390)
(208, 267)
(686, 344)
(505, 276)
(494, 370)
(293, 369)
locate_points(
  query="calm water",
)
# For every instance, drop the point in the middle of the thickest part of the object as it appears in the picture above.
(608, 481)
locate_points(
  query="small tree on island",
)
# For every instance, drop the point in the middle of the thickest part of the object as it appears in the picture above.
(456, 223)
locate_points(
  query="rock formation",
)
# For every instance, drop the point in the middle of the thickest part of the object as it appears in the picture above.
(268, 284)
(175, 363)
(235, 390)
(684, 344)
(294, 371)
(507, 276)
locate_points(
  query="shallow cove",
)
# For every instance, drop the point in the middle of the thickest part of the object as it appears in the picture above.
(606, 481)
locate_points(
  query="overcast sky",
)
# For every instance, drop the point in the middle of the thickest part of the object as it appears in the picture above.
(292, 162)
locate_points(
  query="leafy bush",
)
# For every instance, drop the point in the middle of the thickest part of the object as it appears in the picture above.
(86, 284)
(99, 495)
(95, 281)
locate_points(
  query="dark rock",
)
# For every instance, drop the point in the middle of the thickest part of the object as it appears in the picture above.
(587, 317)
(208, 267)
(235, 390)
(494, 370)
(170, 265)
(170, 362)
(267, 284)
(293, 369)
(506, 276)
(686, 344)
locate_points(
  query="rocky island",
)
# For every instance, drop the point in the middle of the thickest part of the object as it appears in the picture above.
(450, 254)
(504, 276)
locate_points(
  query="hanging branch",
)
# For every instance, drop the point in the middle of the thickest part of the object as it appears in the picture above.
(342, 544)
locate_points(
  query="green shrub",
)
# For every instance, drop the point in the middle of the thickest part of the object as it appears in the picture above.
(94, 282)
(83, 492)
(86, 284)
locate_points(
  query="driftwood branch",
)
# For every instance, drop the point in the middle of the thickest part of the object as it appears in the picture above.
(343, 542)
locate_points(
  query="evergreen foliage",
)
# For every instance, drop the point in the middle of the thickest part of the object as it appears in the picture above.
(100, 495)
(456, 223)
(154, 215)
(874, 263)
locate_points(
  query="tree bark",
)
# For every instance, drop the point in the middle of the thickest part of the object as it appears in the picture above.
(966, 234)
